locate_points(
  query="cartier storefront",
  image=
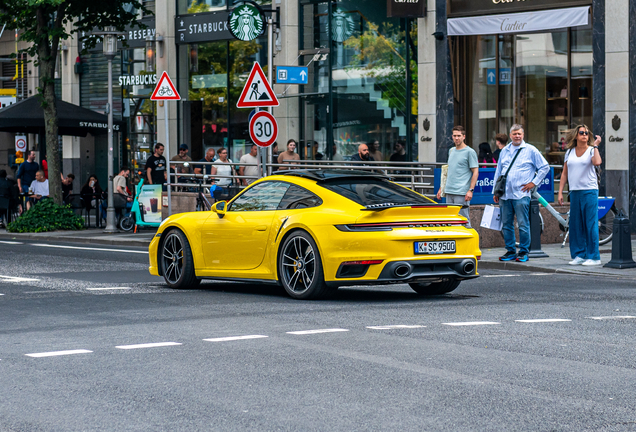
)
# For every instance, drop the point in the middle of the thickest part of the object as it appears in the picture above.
(521, 62)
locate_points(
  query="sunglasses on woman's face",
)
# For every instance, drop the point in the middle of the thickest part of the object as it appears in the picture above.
(582, 132)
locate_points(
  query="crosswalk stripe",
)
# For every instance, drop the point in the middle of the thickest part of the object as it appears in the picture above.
(397, 326)
(546, 320)
(148, 345)
(618, 317)
(59, 353)
(472, 323)
(235, 338)
(307, 332)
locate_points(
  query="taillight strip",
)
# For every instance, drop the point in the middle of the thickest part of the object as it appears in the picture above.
(410, 224)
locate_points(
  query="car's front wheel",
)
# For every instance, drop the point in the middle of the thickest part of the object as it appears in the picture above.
(435, 288)
(300, 268)
(177, 262)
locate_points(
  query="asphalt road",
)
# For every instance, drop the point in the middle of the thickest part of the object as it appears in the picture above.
(75, 324)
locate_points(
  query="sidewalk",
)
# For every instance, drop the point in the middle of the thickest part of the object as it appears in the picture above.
(557, 262)
(88, 236)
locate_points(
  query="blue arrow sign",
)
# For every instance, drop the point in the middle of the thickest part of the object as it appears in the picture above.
(491, 76)
(291, 75)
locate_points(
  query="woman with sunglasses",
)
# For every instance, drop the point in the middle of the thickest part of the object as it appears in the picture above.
(223, 167)
(579, 172)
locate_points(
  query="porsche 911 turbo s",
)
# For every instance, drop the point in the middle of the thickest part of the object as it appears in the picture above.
(312, 231)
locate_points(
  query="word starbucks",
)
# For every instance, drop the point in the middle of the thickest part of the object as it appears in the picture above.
(128, 80)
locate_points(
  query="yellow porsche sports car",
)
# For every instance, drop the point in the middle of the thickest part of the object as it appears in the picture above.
(316, 230)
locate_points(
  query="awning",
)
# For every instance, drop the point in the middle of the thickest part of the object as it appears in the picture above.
(525, 22)
(28, 116)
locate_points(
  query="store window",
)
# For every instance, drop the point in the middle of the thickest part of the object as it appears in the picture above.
(359, 89)
(540, 80)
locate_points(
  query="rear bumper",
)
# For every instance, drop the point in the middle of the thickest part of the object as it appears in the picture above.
(408, 271)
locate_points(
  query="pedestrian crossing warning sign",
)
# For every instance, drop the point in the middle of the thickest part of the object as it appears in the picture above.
(257, 91)
(165, 90)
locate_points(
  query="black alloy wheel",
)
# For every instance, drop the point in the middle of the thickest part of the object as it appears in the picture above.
(300, 268)
(435, 288)
(177, 262)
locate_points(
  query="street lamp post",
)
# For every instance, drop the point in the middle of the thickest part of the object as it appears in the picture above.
(109, 43)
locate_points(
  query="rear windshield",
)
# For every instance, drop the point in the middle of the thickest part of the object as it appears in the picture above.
(374, 191)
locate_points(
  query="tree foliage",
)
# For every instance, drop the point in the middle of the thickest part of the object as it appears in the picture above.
(43, 24)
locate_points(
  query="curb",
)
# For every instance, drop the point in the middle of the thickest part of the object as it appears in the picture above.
(82, 240)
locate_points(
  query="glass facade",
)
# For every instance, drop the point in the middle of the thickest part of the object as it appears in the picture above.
(362, 70)
(542, 81)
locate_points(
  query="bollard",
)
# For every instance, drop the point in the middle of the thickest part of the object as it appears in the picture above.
(621, 243)
(535, 231)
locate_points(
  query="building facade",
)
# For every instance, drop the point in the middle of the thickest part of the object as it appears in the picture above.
(484, 64)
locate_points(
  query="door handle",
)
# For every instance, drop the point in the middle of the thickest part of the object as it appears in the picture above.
(261, 228)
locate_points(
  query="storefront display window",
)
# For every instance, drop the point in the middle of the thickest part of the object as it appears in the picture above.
(217, 73)
(359, 90)
(540, 80)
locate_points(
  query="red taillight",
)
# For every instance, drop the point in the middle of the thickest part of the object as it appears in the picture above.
(367, 262)
(478, 257)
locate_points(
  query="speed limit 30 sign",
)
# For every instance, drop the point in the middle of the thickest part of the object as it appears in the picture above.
(263, 129)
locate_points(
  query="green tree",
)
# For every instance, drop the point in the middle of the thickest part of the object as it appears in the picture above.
(43, 24)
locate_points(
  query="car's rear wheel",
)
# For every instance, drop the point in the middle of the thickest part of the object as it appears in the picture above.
(300, 268)
(435, 288)
(177, 262)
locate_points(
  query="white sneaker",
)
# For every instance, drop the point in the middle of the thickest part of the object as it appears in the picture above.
(591, 262)
(577, 261)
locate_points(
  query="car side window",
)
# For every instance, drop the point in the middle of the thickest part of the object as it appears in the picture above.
(298, 197)
(261, 197)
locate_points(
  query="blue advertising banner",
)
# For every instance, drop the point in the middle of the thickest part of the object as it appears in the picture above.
(486, 181)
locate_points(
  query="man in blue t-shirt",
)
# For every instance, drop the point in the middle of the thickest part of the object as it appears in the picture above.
(463, 171)
(26, 172)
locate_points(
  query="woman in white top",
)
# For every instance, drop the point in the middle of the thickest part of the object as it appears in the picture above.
(579, 172)
(223, 167)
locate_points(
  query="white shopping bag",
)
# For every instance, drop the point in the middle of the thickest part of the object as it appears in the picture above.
(491, 218)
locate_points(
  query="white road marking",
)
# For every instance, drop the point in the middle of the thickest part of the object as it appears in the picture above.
(59, 353)
(306, 332)
(491, 276)
(397, 326)
(148, 345)
(235, 338)
(1, 294)
(546, 320)
(11, 242)
(472, 323)
(613, 317)
(108, 288)
(16, 279)
(90, 248)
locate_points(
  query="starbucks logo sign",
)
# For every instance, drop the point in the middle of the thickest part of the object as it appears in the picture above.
(342, 26)
(246, 22)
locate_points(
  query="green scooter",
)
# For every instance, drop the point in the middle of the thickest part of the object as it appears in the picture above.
(135, 218)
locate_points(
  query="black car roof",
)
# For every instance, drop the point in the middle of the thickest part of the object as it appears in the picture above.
(331, 174)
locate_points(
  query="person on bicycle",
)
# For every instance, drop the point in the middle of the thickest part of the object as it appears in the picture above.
(579, 171)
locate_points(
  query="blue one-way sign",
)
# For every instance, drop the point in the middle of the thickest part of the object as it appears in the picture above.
(291, 75)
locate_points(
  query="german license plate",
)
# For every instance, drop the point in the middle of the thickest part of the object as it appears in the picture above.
(435, 247)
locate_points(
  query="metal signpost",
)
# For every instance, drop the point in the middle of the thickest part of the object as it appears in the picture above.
(166, 91)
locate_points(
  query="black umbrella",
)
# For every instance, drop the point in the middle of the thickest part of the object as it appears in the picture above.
(28, 116)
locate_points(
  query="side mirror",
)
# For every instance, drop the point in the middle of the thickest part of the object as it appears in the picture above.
(220, 208)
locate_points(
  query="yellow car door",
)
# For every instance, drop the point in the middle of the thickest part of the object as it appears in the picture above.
(238, 241)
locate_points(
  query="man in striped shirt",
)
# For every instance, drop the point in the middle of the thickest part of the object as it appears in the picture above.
(528, 170)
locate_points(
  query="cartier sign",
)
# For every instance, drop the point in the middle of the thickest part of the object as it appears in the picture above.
(457, 8)
(406, 8)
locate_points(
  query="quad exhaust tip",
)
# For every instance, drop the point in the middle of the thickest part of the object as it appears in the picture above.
(468, 266)
(402, 270)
